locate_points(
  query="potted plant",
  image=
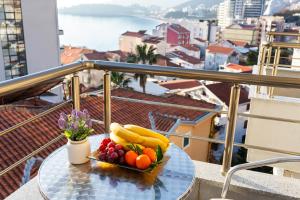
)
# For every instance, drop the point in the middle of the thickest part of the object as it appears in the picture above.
(77, 127)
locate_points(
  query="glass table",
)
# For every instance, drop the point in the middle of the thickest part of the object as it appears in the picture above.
(59, 180)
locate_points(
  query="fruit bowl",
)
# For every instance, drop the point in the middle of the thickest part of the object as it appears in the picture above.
(132, 147)
(95, 156)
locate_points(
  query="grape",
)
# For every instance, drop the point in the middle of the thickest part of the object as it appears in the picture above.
(121, 152)
(111, 144)
(106, 141)
(118, 147)
(102, 148)
(102, 156)
(114, 155)
(111, 150)
(122, 160)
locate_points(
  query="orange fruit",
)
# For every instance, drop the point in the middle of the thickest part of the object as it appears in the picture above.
(151, 153)
(143, 161)
(130, 158)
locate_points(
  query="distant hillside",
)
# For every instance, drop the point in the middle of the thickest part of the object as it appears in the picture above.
(103, 10)
(195, 3)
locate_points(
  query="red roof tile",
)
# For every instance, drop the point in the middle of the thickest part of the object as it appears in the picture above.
(138, 34)
(200, 40)
(240, 68)
(180, 84)
(22, 141)
(220, 49)
(191, 47)
(96, 56)
(71, 54)
(238, 43)
(153, 40)
(165, 61)
(187, 58)
(178, 28)
(222, 91)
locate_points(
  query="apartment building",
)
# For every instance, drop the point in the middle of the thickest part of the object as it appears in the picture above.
(218, 55)
(129, 40)
(178, 35)
(242, 32)
(26, 46)
(270, 23)
(254, 8)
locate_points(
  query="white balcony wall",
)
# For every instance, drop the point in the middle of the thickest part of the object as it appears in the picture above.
(41, 34)
(274, 134)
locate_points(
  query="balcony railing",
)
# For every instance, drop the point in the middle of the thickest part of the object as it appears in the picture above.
(23, 83)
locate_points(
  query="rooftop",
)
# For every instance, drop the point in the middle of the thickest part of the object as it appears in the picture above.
(238, 43)
(138, 34)
(153, 40)
(222, 91)
(187, 58)
(180, 84)
(220, 49)
(191, 47)
(241, 68)
(178, 28)
(71, 54)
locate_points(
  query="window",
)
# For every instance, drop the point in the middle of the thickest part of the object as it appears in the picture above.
(12, 38)
(186, 142)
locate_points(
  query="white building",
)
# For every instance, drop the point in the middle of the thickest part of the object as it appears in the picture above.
(218, 55)
(270, 23)
(189, 49)
(229, 11)
(29, 37)
(182, 59)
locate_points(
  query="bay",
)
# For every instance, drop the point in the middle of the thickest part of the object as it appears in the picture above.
(101, 33)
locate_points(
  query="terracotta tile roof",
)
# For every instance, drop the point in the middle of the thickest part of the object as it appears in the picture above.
(138, 34)
(123, 55)
(238, 43)
(220, 49)
(178, 28)
(71, 54)
(240, 68)
(22, 141)
(165, 61)
(187, 58)
(191, 47)
(222, 91)
(180, 84)
(153, 40)
(96, 55)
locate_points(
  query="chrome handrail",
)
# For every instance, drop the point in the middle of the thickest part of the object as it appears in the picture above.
(254, 165)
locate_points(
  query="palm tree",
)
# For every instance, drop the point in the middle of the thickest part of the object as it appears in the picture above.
(144, 55)
(119, 79)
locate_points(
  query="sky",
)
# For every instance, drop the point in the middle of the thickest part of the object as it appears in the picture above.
(162, 3)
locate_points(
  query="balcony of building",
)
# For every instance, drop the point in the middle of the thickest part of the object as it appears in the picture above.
(271, 133)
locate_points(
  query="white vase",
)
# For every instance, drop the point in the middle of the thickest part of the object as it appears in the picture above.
(78, 151)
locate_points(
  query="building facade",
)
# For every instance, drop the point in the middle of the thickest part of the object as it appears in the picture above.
(177, 35)
(254, 8)
(26, 46)
(241, 32)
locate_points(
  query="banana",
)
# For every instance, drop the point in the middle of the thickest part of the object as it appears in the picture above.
(153, 142)
(146, 132)
(122, 142)
(127, 135)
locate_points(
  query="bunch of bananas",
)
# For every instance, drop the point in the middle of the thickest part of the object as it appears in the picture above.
(133, 134)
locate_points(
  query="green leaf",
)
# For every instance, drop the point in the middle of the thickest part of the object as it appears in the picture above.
(131, 147)
(138, 149)
(159, 153)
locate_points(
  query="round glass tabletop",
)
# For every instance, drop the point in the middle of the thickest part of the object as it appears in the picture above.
(59, 180)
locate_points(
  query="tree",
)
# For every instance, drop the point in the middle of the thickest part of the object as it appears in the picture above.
(119, 79)
(252, 58)
(144, 55)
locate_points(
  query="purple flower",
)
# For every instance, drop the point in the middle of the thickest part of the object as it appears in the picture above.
(63, 116)
(75, 125)
(62, 123)
(89, 123)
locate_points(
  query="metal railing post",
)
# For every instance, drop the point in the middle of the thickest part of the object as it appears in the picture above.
(76, 92)
(261, 63)
(107, 102)
(230, 129)
(275, 68)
